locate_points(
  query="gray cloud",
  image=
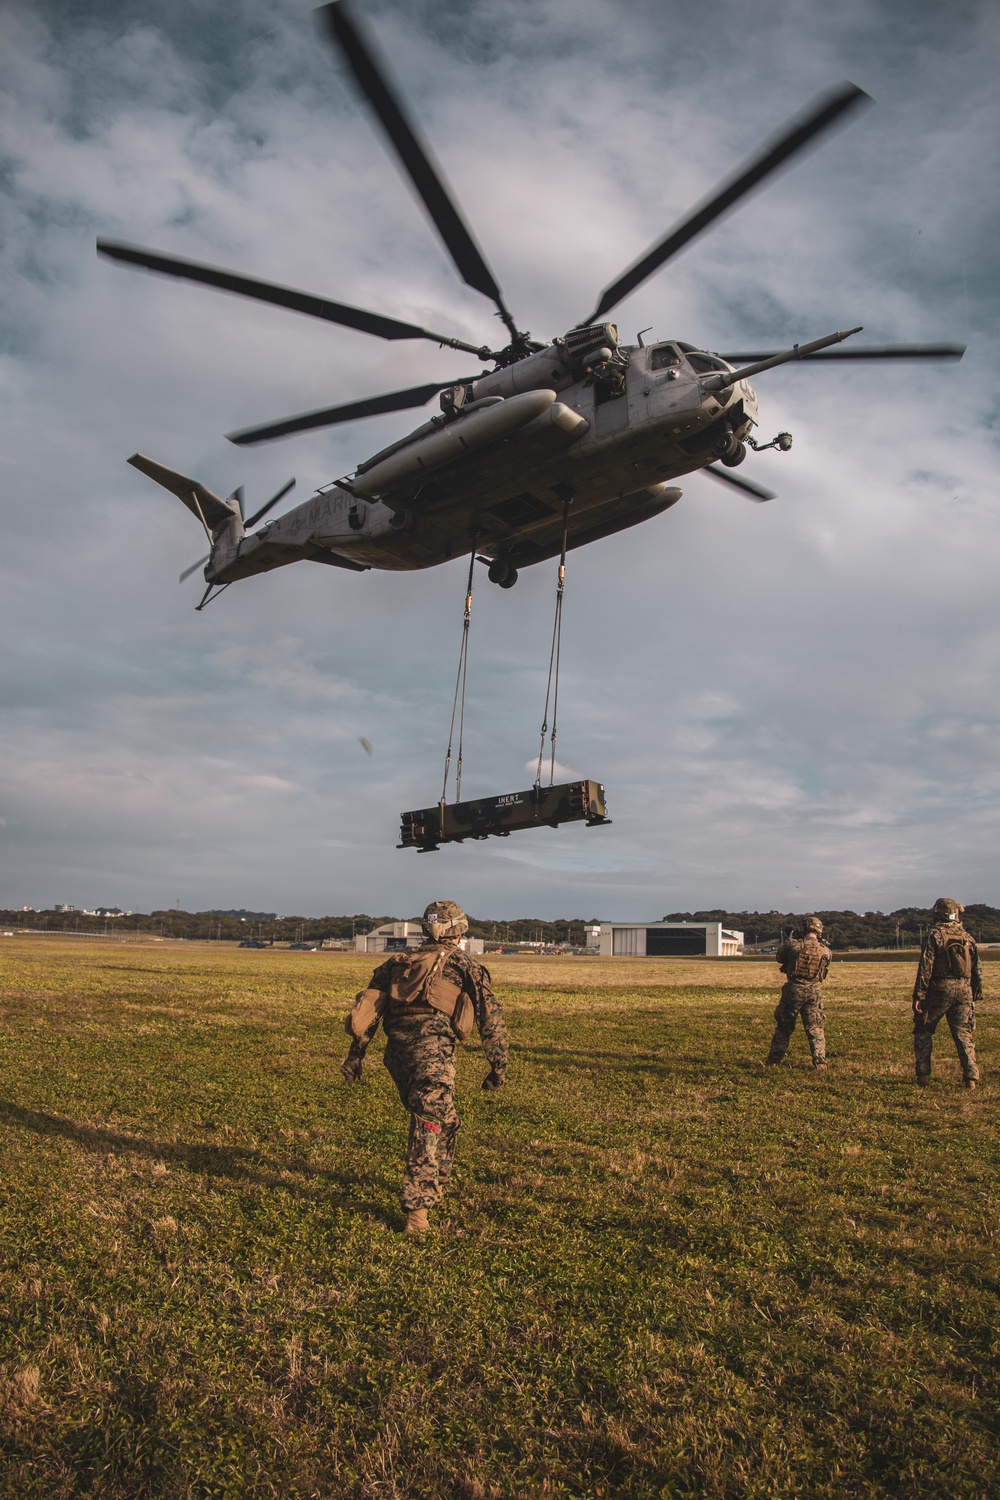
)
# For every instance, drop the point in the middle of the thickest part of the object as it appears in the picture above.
(790, 704)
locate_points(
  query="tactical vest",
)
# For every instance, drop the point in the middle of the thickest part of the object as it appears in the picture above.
(416, 979)
(812, 962)
(953, 960)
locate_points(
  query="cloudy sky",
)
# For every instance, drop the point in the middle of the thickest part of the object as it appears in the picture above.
(791, 704)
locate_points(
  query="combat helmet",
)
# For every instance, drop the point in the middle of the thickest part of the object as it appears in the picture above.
(947, 910)
(812, 924)
(444, 919)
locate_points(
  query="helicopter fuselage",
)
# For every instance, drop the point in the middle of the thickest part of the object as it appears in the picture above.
(559, 445)
(584, 431)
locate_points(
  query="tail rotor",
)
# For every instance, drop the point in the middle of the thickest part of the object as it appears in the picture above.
(195, 565)
(237, 498)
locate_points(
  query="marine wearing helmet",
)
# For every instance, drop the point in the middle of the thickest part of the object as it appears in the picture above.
(804, 961)
(427, 999)
(948, 984)
(444, 920)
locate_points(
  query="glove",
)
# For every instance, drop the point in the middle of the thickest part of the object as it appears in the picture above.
(351, 1068)
(493, 1080)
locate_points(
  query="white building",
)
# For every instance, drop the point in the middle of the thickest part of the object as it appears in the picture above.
(669, 940)
(395, 937)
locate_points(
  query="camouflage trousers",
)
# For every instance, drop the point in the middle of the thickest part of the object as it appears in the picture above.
(799, 999)
(952, 999)
(420, 1056)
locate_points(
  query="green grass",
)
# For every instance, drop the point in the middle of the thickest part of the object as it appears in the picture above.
(662, 1271)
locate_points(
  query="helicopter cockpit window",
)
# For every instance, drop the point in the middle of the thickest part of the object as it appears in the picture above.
(664, 358)
(704, 363)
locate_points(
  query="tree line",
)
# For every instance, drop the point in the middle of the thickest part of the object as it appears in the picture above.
(850, 929)
(843, 929)
(233, 926)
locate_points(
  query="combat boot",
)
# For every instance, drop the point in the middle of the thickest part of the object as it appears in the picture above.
(416, 1221)
(820, 1064)
(972, 1083)
(922, 1080)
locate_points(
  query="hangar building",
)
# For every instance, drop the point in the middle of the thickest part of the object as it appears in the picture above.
(669, 940)
(396, 937)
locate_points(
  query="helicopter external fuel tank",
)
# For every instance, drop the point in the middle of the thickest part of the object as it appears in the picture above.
(535, 418)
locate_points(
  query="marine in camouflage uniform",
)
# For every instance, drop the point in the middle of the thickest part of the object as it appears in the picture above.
(948, 984)
(427, 999)
(804, 960)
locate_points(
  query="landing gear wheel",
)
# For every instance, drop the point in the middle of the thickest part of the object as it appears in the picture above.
(502, 573)
(736, 457)
(724, 446)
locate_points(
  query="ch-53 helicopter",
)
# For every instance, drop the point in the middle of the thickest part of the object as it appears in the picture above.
(558, 445)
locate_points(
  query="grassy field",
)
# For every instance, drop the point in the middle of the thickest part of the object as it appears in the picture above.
(663, 1270)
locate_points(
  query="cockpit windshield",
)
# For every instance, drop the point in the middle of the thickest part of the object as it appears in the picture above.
(703, 364)
(664, 357)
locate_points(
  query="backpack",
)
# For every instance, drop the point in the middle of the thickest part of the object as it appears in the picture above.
(416, 977)
(957, 954)
(811, 962)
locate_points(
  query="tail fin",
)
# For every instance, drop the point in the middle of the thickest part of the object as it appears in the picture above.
(210, 510)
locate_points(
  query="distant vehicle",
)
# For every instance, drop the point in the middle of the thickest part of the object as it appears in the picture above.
(257, 943)
(303, 947)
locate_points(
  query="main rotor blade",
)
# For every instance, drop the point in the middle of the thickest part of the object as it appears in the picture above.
(371, 75)
(824, 113)
(260, 514)
(881, 351)
(199, 564)
(281, 296)
(372, 406)
(755, 491)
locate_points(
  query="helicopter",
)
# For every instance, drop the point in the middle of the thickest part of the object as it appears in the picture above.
(556, 446)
